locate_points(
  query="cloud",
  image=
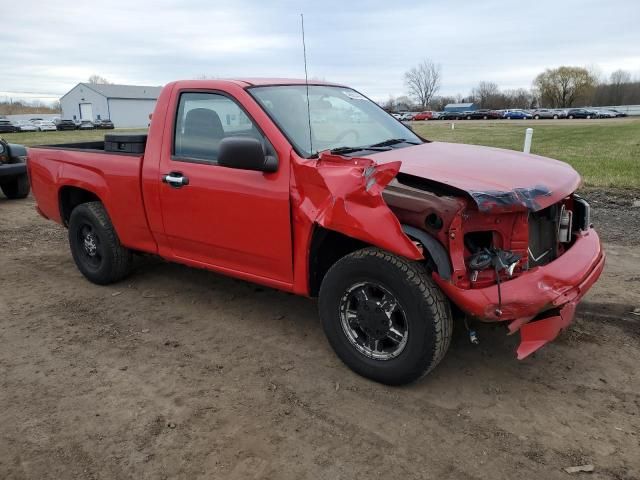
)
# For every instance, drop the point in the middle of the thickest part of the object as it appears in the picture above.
(48, 47)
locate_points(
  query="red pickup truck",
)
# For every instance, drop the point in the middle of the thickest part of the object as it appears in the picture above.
(314, 189)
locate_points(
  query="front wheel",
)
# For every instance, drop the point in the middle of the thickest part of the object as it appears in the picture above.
(95, 245)
(16, 188)
(384, 316)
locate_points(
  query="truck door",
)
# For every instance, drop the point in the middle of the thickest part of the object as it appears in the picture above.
(230, 219)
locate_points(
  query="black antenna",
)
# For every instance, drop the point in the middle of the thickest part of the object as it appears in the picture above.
(306, 81)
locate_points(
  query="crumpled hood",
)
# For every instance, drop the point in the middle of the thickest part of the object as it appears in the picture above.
(496, 179)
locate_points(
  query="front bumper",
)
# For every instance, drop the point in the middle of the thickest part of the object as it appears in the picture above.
(12, 169)
(558, 285)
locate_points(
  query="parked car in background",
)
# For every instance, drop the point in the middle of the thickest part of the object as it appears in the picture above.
(435, 115)
(14, 181)
(451, 116)
(65, 124)
(580, 113)
(104, 124)
(406, 116)
(618, 112)
(517, 115)
(607, 114)
(428, 115)
(7, 127)
(44, 125)
(24, 126)
(560, 112)
(544, 113)
(483, 114)
(86, 125)
(397, 116)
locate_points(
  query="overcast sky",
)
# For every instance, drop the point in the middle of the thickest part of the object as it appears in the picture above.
(46, 47)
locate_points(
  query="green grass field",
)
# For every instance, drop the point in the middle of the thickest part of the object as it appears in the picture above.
(605, 152)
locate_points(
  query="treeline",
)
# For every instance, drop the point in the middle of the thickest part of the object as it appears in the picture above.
(562, 87)
(18, 107)
(617, 94)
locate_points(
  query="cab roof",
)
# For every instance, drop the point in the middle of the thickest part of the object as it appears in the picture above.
(262, 82)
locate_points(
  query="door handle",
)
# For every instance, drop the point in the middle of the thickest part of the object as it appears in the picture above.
(175, 179)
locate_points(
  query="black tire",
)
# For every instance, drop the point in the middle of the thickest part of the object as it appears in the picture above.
(110, 261)
(570, 117)
(555, 117)
(427, 312)
(16, 188)
(537, 117)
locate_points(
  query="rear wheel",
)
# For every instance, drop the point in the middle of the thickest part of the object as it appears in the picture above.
(17, 187)
(384, 316)
(95, 245)
(571, 117)
(555, 117)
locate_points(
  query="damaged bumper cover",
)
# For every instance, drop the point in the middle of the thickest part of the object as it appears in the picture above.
(558, 285)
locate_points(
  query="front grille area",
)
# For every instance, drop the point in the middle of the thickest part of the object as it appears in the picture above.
(545, 244)
(543, 236)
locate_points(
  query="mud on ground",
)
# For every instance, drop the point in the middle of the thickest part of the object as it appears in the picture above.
(181, 373)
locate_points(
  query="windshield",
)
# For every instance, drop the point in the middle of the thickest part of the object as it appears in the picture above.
(341, 119)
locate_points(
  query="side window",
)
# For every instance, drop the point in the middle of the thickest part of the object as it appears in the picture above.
(203, 120)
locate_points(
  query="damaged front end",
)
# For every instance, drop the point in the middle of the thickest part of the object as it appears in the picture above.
(512, 260)
(523, 255)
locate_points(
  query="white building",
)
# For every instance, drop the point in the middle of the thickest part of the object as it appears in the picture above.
(124, 105)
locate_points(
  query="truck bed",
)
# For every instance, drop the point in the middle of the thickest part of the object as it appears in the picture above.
(114, 177)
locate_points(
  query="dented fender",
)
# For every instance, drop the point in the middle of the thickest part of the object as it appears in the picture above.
(344, 194)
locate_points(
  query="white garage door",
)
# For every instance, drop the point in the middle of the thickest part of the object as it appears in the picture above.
(130, 112)
(86, 111)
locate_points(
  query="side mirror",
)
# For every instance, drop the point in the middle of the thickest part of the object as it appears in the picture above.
(245, 153)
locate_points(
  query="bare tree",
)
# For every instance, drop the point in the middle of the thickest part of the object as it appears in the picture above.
(563, 86)
(423, 81)
(619, 77)
(486, 94)
(619, 84)
(97, 80)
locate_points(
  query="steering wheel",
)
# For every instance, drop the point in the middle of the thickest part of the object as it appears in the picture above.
(338, 140)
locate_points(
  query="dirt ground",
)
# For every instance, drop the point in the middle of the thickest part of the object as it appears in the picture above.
(182, 373)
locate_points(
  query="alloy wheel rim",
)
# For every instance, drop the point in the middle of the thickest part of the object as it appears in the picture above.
(90, 246)
(374, 321)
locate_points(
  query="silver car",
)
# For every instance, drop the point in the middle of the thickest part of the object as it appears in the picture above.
(25, 126)
(44, 125)
(544, 113)
(606, 114)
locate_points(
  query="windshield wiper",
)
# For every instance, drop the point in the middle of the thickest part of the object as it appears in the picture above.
(375, 148)
(393, 141)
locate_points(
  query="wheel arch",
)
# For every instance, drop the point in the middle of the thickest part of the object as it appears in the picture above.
(69, 197)
(328, 246)
(436, 252)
